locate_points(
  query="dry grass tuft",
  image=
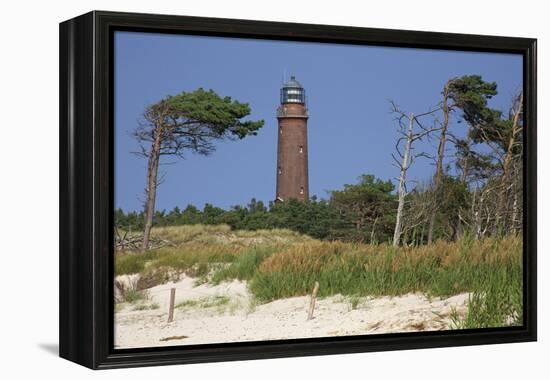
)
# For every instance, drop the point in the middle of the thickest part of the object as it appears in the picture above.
(222, 234)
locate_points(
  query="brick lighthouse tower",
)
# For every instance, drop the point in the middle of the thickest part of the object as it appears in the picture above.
(292, 165)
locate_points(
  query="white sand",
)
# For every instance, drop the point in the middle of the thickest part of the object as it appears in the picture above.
(239, 320)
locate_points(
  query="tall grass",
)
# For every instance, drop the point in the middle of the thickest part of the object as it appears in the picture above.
(197, 250)
(245, 265)
(201, 245)
(223, 234)
(440, 269)
(280, 263)
(177, 258)
(497, 301)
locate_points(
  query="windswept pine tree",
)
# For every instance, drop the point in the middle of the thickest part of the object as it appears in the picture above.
(468, 93)
(190, 122)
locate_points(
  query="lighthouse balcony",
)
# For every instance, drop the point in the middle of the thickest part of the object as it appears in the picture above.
(283, 111)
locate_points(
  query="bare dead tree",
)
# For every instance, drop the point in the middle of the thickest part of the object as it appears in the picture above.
(406, 156)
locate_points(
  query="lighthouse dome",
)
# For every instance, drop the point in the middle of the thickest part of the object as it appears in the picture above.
(292, 83)
(293, 92)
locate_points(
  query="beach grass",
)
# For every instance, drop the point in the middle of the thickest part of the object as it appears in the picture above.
(144, 306)
(134, 296)
(245, 265)
(205, 302)
(219, 303)
(440, 269)
(194, 247)
(281, 264)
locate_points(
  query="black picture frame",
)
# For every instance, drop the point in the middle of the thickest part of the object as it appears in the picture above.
(86, 189)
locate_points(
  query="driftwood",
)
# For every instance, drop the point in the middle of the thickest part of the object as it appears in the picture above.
(133, 241)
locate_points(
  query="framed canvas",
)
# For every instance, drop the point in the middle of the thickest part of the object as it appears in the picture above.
(235, 189)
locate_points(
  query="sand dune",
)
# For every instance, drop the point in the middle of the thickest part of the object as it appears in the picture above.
(226, 313)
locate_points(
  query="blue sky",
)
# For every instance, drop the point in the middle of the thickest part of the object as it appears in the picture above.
(351, 131)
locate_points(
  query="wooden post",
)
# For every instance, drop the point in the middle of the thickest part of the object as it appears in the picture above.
(172, 301)
(312, 302)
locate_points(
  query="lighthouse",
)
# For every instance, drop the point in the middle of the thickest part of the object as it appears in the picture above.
(292, 149)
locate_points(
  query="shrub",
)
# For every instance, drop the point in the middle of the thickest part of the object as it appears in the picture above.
(134, 295)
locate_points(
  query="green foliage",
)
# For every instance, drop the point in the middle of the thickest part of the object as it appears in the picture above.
(191, 215)
(313, 218)
(495, 128)
(128, 221)
(192, 122)
(208, 108)
(368, 209)
(454, 199)
(336, 218)
(211, 214)
(470, 94)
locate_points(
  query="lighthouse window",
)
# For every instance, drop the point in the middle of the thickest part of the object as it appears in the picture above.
(301, 149)
(289, 95)
(301, 190)
(281, 130)
(279, 170)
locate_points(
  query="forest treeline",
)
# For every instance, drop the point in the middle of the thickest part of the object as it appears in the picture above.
(319, 218)
(475, 189)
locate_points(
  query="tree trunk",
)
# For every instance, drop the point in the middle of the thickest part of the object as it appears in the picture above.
(515, 212)
(402, 181)
(151, 189)
(478, 218)
(464, 177)
(439, 163)
(466, 162)
(373, 230)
